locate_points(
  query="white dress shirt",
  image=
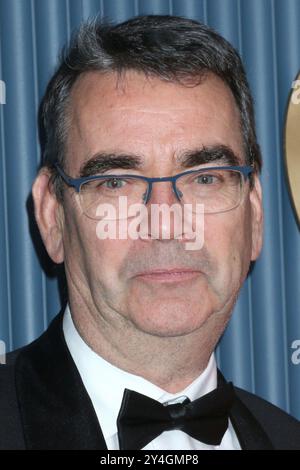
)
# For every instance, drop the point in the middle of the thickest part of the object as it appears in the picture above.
(105, 384)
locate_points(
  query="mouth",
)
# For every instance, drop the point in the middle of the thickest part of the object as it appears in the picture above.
(168, 275)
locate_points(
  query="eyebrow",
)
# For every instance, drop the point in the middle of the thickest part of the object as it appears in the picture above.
(103, 162)
(220, 154)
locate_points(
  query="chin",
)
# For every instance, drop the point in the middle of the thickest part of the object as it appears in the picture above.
(167, 322)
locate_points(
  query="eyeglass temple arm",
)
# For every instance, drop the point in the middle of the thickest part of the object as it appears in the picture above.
(67, 179)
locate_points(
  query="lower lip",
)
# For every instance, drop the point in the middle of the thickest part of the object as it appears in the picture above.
(169, 277)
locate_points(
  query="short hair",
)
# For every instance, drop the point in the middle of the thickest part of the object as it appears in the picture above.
(171, 48)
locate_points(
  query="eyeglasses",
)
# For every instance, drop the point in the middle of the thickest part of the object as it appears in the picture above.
(216, 189)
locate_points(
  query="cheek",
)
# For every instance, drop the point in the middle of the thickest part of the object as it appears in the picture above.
(89, 257)
(228, 240)
(107, 257)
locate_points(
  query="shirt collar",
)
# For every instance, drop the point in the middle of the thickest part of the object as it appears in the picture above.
(105, 383)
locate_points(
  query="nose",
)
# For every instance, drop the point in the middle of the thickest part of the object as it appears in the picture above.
(162, 193)
(165, 215)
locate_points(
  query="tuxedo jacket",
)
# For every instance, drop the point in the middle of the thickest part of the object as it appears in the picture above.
(44, 404)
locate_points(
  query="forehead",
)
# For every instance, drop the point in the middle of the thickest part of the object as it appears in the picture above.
(149, 116)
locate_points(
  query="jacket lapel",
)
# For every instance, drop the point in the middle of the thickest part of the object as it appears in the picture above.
(56, 410)
(249, 431)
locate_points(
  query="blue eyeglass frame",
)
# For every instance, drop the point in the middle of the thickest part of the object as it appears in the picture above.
(77, 182)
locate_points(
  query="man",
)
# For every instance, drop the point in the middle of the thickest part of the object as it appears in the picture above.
(156, 110)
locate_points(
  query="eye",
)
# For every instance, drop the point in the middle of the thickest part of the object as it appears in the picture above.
(114, 183)
(206, 179)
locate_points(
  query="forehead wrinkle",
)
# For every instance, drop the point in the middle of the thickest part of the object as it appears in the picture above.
(153, 111)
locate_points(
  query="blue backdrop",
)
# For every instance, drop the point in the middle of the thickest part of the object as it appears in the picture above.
(256, 350)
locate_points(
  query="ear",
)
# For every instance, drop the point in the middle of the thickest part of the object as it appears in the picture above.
(49, 215)
(256, 218)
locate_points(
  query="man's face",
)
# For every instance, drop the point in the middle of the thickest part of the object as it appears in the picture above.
(159, 122)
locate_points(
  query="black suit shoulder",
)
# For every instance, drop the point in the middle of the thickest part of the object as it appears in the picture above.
(11, 429)
(282, 429)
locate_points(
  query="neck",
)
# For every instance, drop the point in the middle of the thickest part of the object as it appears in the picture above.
(171, 363)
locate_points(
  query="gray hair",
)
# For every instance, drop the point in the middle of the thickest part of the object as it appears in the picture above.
(172, 48)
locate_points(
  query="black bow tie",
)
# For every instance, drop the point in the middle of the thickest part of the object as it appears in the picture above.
(141, 419)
